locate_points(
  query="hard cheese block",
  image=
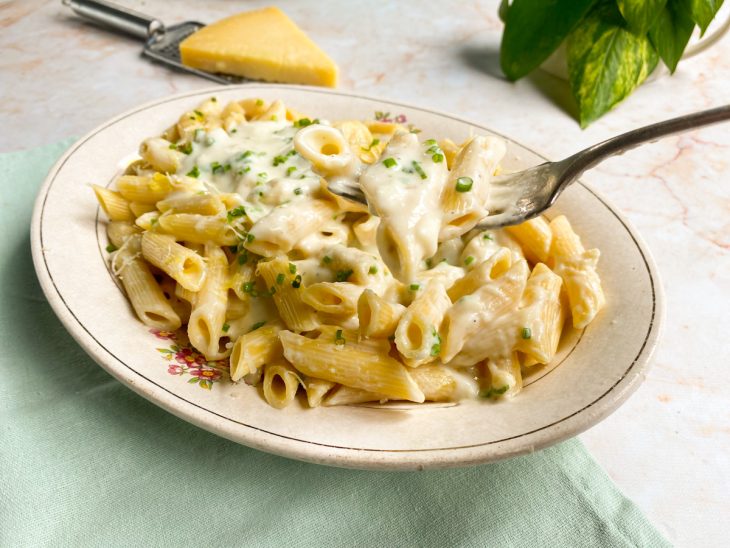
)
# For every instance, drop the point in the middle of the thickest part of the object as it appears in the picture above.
(262, 45)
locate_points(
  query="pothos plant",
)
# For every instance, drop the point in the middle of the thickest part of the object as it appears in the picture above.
(611, 45)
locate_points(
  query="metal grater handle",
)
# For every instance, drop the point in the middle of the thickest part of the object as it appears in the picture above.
(118, 17)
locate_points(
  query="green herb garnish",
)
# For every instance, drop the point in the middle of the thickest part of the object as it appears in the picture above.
(418, 169)
(526, 333)
(414, 287)
(464, 184)
(250, 237)
(468, 260)
(226, 327)
(326, 259)
(195, 172)
(339, 339)
(302, 122)
(290, 170)
(373, 270)
(292, 268)
(239, 211)
(373, 143)
(493, 392)
(436, 347)
(255, 326)
(389, 162)
(111, 248)
(297, 282)
(343, 275)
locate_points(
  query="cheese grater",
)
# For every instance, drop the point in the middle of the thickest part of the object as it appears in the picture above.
(161, 43)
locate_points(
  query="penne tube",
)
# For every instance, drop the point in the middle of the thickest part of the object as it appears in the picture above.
(326, 148)
(143, 291)
(349, 365)
(145, 189)
(316, 390)
(377, 317)
(436, 382)
(284, 284)
(119, 231)
(472, 313)
(417, 335)
(200, 229)
(335, 298)
(280, 230)
(535, 237)
(467, 188)
(346, 395)
(113, 204)
(280, 385)
(161, 154)
(255, 349)
(205, 329)
(140, 208)
(504, 377)
(202, 204)
(180, 263)
(544, 316)
(577, 268)
(491, 269)
(276, 112)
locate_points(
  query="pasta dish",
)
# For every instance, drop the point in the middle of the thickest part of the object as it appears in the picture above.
(226, 225)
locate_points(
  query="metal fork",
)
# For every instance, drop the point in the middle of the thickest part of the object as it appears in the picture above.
(520, 196)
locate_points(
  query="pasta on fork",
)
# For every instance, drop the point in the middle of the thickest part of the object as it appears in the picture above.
(225, 227)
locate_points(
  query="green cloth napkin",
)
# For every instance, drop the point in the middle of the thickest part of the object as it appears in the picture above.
(86, 462)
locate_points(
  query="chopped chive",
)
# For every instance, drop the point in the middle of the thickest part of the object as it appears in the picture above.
(494, 392)
(436, 347)
(292, 268)
(487, 237)
(111, 248)
(414, 287)
(297, 282)
(429, 262)
(419, 169)
(373, 270)
(226, 327)
(239, 211)
(259, 102)
(244, 155)
(290, 170)
(255, 326)
(437, 158)
(280, 278)
(234, 130)
(195, 172)
(278, 160)
(185, 148)
(250, 237)
(389, 162)
(250, 288)
(302, 122)
(343, 275)
(173, 146)
(526, 333)
(468, 260)
(430, 142)
(326, 259)
(263, 175)
(298, 191)
(373, 143)
(214, 99)
(243, 257)
(339, 339)
(464, 184)
(198, 113)
(216, 167)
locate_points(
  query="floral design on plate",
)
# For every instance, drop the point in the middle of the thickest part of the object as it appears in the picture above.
(183, 360)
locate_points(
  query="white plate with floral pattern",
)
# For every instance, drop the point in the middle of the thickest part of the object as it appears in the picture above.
(593, 373)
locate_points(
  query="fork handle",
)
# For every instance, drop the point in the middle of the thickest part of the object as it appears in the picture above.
(590, 157)
(117, 17)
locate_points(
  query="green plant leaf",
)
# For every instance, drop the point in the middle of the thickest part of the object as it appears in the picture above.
(606, 62)
(640, 14)
(534, 30)
(671, 32)
(503, 9)
(704, 11)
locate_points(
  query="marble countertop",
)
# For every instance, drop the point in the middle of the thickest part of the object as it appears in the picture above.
(668, 447)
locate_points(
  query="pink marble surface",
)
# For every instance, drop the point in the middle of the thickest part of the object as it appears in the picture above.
(668, 447)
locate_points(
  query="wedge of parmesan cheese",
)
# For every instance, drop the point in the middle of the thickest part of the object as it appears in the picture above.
(261, 45)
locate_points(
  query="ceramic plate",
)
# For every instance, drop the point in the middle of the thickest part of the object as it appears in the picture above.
(594, 372)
